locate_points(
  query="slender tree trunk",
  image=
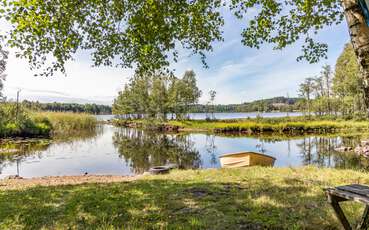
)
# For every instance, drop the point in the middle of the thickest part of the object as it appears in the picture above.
(308, 104)
(359, 32)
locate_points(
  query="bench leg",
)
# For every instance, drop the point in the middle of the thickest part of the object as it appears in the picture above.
(339, 213)
(364, 223)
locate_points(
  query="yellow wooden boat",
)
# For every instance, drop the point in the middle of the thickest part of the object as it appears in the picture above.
(244, 159)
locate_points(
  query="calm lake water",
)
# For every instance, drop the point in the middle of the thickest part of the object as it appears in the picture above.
(202, 116)
(122, 151)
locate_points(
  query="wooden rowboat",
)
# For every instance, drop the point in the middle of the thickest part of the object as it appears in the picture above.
(244, 159)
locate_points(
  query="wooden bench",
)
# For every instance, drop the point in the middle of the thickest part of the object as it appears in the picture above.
(354, 192)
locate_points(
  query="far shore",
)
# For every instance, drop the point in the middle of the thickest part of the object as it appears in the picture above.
(282, 125)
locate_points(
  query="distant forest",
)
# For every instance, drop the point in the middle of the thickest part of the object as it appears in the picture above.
(282, 104)
(67, 107)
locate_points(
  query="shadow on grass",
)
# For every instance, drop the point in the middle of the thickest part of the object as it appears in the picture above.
(169, 204)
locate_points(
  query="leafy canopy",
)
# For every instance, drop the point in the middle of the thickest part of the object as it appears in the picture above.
(347, 80)
(284, 22)
(147, 34)
(3, 59)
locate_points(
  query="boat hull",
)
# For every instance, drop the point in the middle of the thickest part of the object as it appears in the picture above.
(245, 159)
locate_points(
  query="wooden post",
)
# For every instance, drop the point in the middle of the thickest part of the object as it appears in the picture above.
(364, 223)
(339, 213)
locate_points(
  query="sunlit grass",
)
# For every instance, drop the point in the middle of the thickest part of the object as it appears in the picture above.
(279, 125)
(284, 125)
(247, 198)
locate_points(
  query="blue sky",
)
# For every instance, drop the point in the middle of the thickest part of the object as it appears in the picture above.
(236, 72)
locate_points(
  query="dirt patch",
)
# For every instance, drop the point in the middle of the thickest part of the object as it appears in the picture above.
(20, 183)
(198, 192)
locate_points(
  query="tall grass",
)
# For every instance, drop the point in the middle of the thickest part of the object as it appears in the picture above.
(64, 123)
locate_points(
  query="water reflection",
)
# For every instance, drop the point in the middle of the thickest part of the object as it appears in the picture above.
(15, 151)
(117, 151)
(321, 151)
(19, 153)
(314, 150)
(142, 150)
(211, 149)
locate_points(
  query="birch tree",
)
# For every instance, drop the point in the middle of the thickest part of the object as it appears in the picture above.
(359, 33)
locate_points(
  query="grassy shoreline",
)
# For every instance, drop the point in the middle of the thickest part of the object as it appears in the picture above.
(46, 124)
(292, 125)
(250, 198)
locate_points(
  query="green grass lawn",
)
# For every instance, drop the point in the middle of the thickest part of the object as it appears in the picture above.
(248, 198)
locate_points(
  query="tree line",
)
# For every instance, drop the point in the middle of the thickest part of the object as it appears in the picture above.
(281, 104)
(156, 96)
(336, 92)
(67, 107)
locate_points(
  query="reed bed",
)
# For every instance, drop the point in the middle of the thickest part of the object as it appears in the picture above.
(64, 123)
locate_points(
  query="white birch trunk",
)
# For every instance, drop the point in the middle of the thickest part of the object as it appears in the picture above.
(359, 33)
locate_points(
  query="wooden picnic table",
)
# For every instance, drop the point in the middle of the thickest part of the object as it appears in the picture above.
(354, 192)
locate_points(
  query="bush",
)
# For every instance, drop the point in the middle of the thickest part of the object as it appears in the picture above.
(18, 123)
(11, 129)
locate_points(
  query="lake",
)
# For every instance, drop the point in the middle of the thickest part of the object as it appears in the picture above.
(123, 151)
(202, 116)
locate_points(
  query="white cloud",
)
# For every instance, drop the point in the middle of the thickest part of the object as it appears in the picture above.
(82, 82)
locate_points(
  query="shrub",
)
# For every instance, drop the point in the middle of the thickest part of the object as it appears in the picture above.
(18, 123)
